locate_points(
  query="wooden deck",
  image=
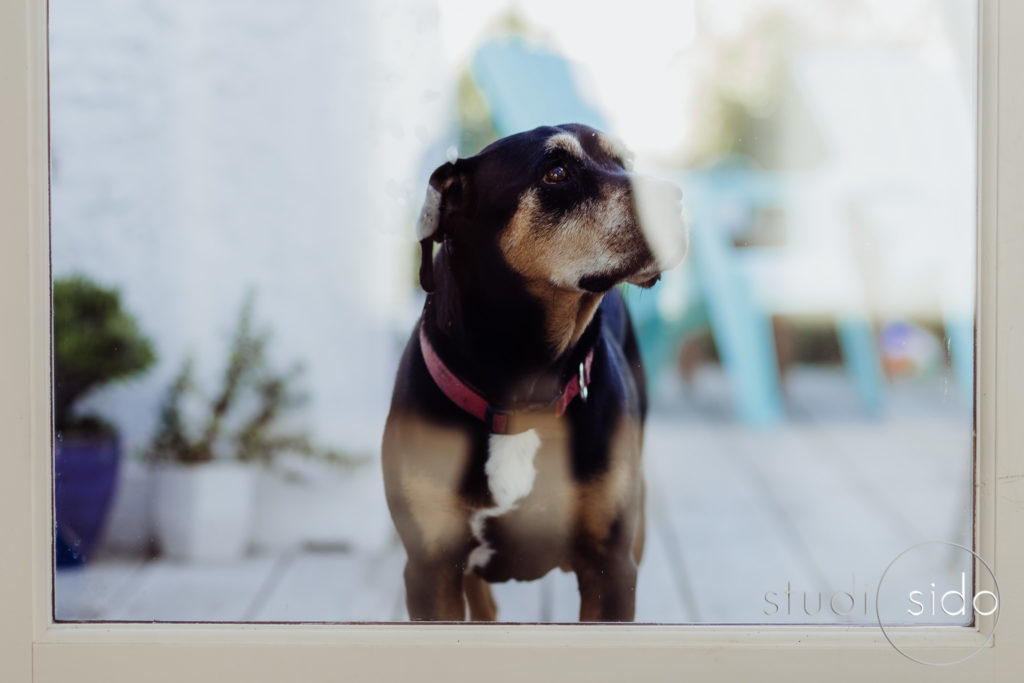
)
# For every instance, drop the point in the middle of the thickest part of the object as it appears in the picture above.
(821, 504)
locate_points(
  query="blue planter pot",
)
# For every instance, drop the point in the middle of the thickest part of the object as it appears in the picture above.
(85, 473)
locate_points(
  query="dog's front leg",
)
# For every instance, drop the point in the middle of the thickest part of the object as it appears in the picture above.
(607, 587)
(433, 590)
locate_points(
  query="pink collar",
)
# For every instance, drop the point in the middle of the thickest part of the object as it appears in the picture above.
(472, 400)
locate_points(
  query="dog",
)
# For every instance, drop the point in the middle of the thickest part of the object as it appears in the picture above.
(514, 437)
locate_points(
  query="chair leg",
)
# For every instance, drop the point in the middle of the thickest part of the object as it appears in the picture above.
(660, 340)
(860, 354)
(746, 346)
(742, 331)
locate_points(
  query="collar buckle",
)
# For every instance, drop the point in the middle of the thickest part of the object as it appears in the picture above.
(584, 383)
(496, 420)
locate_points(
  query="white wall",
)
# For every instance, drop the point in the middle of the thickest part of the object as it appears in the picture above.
(203, 148)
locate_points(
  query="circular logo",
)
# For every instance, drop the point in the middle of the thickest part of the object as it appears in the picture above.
(932, 584)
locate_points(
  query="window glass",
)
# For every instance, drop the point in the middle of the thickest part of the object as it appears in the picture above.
(236, 190)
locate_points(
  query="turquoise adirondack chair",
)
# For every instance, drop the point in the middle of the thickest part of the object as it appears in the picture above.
(525, 87)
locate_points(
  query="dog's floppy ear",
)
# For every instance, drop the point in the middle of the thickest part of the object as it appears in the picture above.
(444, 181)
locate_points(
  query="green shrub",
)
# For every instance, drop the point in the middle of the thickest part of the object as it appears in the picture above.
(246, 419)
(95, 341)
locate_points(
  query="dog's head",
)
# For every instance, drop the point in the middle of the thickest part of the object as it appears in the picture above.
(559, 207)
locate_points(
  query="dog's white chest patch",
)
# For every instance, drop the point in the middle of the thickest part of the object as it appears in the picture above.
(510, 474)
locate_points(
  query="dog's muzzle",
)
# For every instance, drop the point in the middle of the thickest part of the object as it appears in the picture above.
(659, 209)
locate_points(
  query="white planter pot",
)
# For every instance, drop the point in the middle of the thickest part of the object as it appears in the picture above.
(303, 503)
(203, 513)
(299, 504)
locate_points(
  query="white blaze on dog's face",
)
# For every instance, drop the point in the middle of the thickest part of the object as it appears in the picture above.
(584, 222)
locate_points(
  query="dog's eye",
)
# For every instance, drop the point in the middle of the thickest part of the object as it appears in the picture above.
(556, 174)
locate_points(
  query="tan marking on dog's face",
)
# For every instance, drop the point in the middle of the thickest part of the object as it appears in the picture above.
(566, 142)
(596, 236)
(581, 235)
(614, 147)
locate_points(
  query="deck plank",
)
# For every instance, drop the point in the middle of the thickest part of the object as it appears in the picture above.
(173, 591)
(665, 591)
(722, 521)
(823, 501)
(337, 587)
(88, 592)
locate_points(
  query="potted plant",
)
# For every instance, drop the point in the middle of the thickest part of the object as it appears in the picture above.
(206, 474)
(304, 497)
(95, 342)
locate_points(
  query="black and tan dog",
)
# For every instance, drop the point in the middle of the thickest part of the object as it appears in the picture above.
(513, 443)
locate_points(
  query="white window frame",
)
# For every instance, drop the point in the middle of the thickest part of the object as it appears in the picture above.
(34, 648)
